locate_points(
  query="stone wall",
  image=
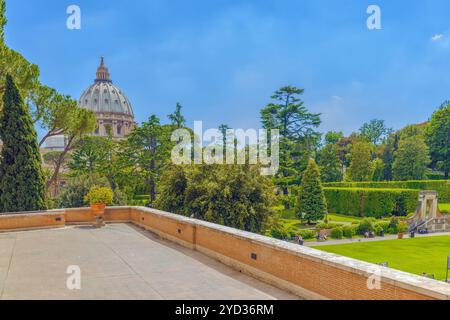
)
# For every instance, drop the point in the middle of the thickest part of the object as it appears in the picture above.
(306, 272)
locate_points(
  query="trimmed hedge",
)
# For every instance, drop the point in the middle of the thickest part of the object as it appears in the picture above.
(441, 186)
(375, 203)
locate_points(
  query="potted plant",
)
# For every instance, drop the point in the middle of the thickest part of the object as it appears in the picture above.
(99, 198)
(402, 227)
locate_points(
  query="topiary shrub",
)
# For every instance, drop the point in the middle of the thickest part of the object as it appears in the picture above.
(337, 233)
(100, 195)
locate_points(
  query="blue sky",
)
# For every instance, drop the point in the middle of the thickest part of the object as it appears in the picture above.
(223, 59)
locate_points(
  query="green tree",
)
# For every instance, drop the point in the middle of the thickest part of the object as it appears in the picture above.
(22, 185)
(361, 164)
(312, 204)
(329, 164)
(289, 115)
(375, 131)
(333, 137)
(377, 166)
(73, 195)
(173, 187)
(298, 135)
(437, 135)
(233, 195)
(411, 159)
(146, 152)
(177, 118)
(80, 122)
(388, 157)
(3, 20)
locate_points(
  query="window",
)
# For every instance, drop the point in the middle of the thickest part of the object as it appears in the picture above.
(119, 130)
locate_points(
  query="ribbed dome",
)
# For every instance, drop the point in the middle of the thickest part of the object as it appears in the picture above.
(104, 97)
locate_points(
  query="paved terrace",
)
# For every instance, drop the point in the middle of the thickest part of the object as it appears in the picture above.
(120, 261)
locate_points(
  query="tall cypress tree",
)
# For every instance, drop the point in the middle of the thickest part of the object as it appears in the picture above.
(22, 185)
(312, 201)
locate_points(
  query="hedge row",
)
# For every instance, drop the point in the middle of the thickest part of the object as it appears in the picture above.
(441, 186)
(375, 203)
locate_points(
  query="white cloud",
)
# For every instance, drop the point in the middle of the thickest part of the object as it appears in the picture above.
(437, 37)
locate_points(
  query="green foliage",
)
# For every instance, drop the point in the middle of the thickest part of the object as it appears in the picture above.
(2, 20)
(312, 204)
(371, 202)
(73, 195)
(307, 234)
(329, 164)
(377, 166)
(393, 225)
(366, 225)
(337, 233)
(411, 159)
(233, 195)
(100, 195)
(323, 225)
(173, 190)
(441, 186)
(333, 137)
(437, 135)
(349, 231)
(402, 227)
(375, 131)
(388, 157)
(383, 225)
(361, 164)
(176, 118)
(145, 153)
(298, 135)
(22, 185)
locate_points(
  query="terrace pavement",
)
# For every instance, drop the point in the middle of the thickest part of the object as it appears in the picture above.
(120, 261)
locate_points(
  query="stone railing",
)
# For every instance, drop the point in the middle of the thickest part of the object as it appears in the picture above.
(307, 272)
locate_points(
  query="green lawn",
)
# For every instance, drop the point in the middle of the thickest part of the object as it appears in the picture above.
(418, 255)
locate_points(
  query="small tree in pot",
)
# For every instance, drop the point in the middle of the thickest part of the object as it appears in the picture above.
(99, 198)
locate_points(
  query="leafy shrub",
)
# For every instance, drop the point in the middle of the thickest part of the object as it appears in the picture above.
(375, 203)
(382, 225)
(349, 231)
(337, 233)
(279, 232)
(324, 225)
(441, 186)
(393, 225)
(402, 227)
(366, 225)
(100, 195)
(378, 229)
(307, 234)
